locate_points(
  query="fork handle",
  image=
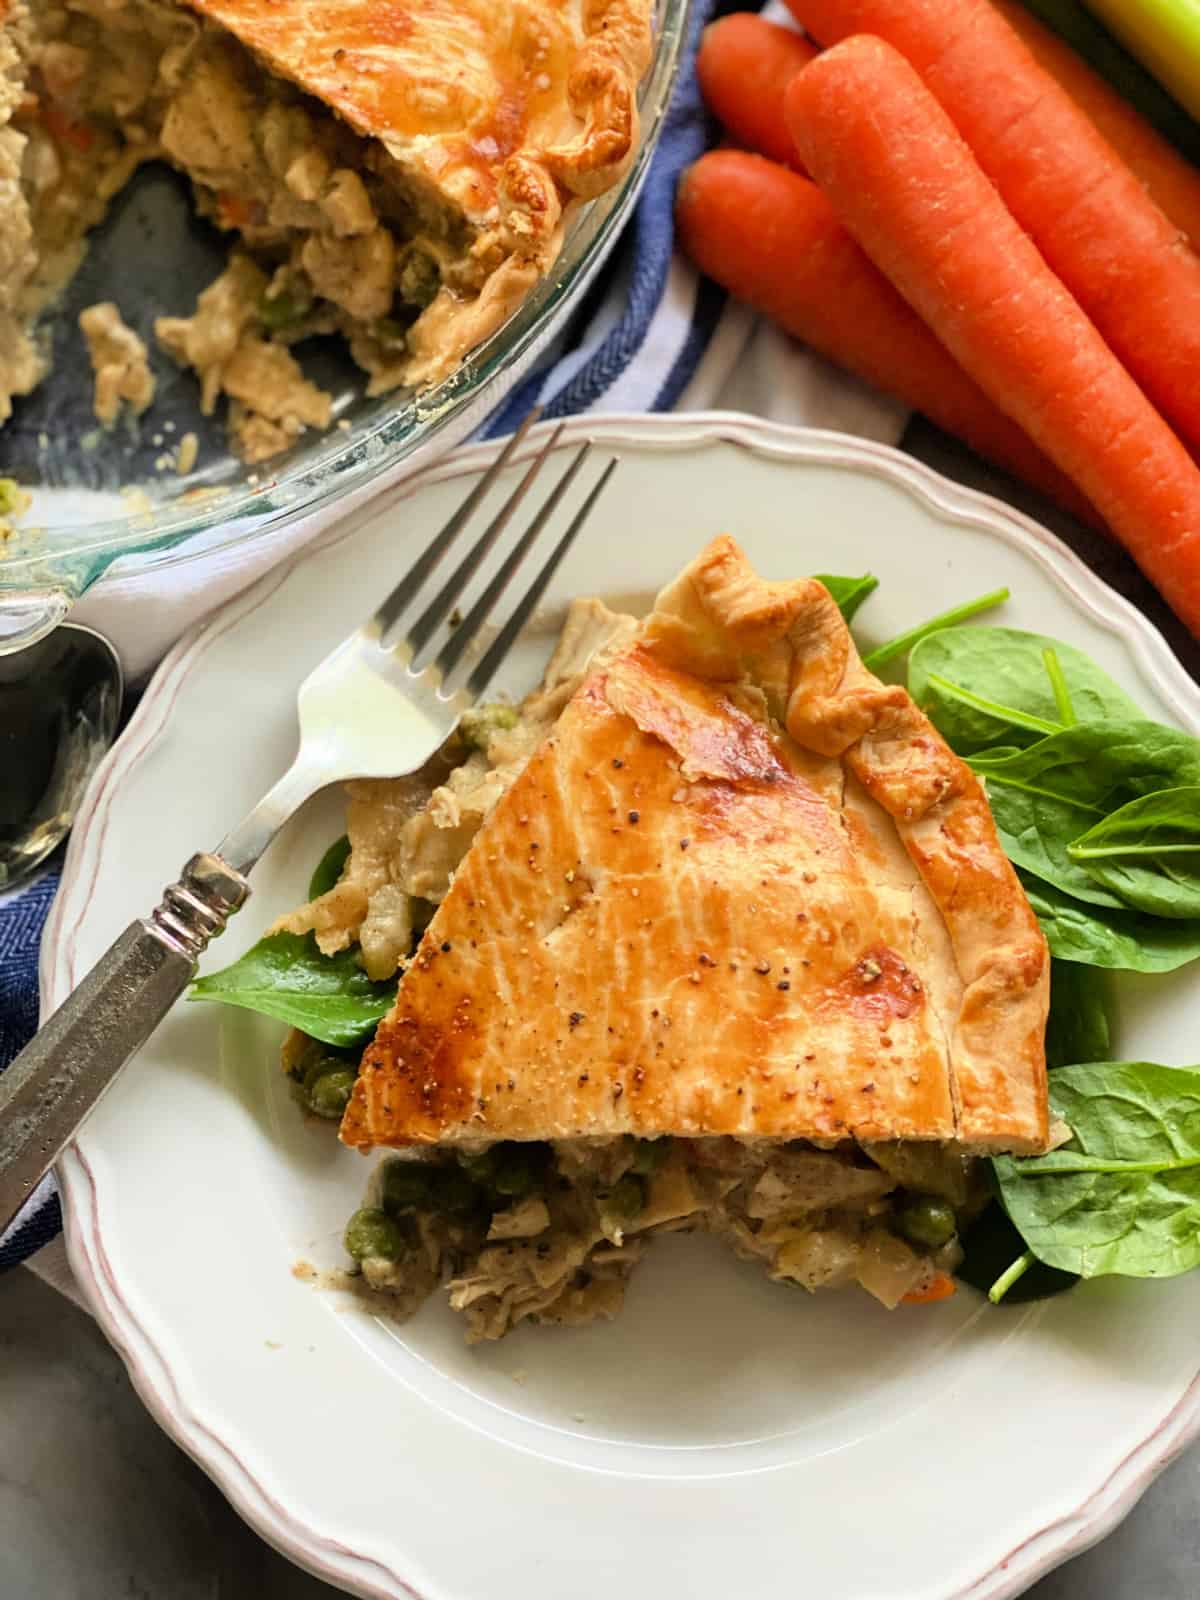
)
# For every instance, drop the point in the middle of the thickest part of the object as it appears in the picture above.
(56, 1080)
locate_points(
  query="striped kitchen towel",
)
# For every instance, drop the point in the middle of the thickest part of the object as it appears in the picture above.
(21, 919)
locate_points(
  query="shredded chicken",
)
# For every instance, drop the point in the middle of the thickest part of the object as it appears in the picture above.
(563, 1252)
(272, 402)
(119, 362)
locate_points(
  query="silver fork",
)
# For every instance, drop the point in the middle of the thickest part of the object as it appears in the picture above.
(379, 705)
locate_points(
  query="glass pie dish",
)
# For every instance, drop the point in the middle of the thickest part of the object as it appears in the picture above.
(100, 497)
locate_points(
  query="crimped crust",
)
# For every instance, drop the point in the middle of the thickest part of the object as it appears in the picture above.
(504, 115)
(742, 888)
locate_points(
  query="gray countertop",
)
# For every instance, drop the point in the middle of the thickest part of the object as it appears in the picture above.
(97, 1504)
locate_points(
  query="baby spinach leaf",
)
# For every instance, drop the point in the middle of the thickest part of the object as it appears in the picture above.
(904, 642)
(1148, 852)
(1124, 1195)
(285, 976)
(990, 1246)
(849, 593)
(1099, 937)
(329, 869)
(1045, 796)
(1009, 715)
(1077, 1027)
(1059, 688)
(1006, 667)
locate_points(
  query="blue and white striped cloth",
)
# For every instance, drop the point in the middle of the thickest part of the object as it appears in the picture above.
(21, 919)
(651, 335)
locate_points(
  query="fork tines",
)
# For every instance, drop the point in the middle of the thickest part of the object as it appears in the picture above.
(419, 633)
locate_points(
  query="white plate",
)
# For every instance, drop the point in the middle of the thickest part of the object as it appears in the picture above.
(724, 1437)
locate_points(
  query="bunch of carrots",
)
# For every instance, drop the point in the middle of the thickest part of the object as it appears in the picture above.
(949, 203)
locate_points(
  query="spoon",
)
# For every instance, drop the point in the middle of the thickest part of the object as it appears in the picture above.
(60, 701)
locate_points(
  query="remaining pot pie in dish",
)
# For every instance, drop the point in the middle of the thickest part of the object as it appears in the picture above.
(724, 939)
(401, 175)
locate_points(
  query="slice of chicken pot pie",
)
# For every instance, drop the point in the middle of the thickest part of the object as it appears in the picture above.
(400, 175)
(733, 945)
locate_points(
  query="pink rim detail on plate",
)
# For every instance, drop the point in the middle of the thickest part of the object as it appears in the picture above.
(1107, 1503)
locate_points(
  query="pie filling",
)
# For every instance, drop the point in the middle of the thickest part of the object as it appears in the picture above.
(333, 234)
(550, 1231)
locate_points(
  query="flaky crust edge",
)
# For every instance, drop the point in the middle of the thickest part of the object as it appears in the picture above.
(540, 189)
(720, 620)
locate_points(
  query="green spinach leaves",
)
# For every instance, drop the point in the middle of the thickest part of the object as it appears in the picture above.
(1099, 809)
(848, 593)
(1004, 671)
(1049, 795)
(1096, 805)
(285, 976)
(1077, 1028)
(1147, 852)
(1123, 941)
(329, 869)
(1124, 1195)
(904, 643)
(991, 1249)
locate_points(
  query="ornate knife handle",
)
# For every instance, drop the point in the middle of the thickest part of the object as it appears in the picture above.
(57, 1079)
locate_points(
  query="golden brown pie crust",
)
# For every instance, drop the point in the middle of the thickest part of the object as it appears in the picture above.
(499, 105)
(742, 888)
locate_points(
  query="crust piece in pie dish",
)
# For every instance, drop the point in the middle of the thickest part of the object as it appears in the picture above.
(400, 175)
(502, 114)
(741, 888)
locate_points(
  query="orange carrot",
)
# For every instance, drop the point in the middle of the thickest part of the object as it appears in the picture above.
(907, 187)
(940, 1287)
(770, 237)
(1090, 217)
(234, 210)
(1172, 183)
(744, 65)
(63, 130)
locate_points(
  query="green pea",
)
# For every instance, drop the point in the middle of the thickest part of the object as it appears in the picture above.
(282, 310)
(454, 1193)
(406, 1184)
(372, 1233)
(13, 499)
(519, 1169)
(481, 1168)
(389, 330)
(478, 726)
(330, 1094)
(315, 1064)
(420, 278)
(649, 1155)
(625, 1199)
(927, 1221)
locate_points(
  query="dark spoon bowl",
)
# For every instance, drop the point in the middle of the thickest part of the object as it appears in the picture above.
(60, 702)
